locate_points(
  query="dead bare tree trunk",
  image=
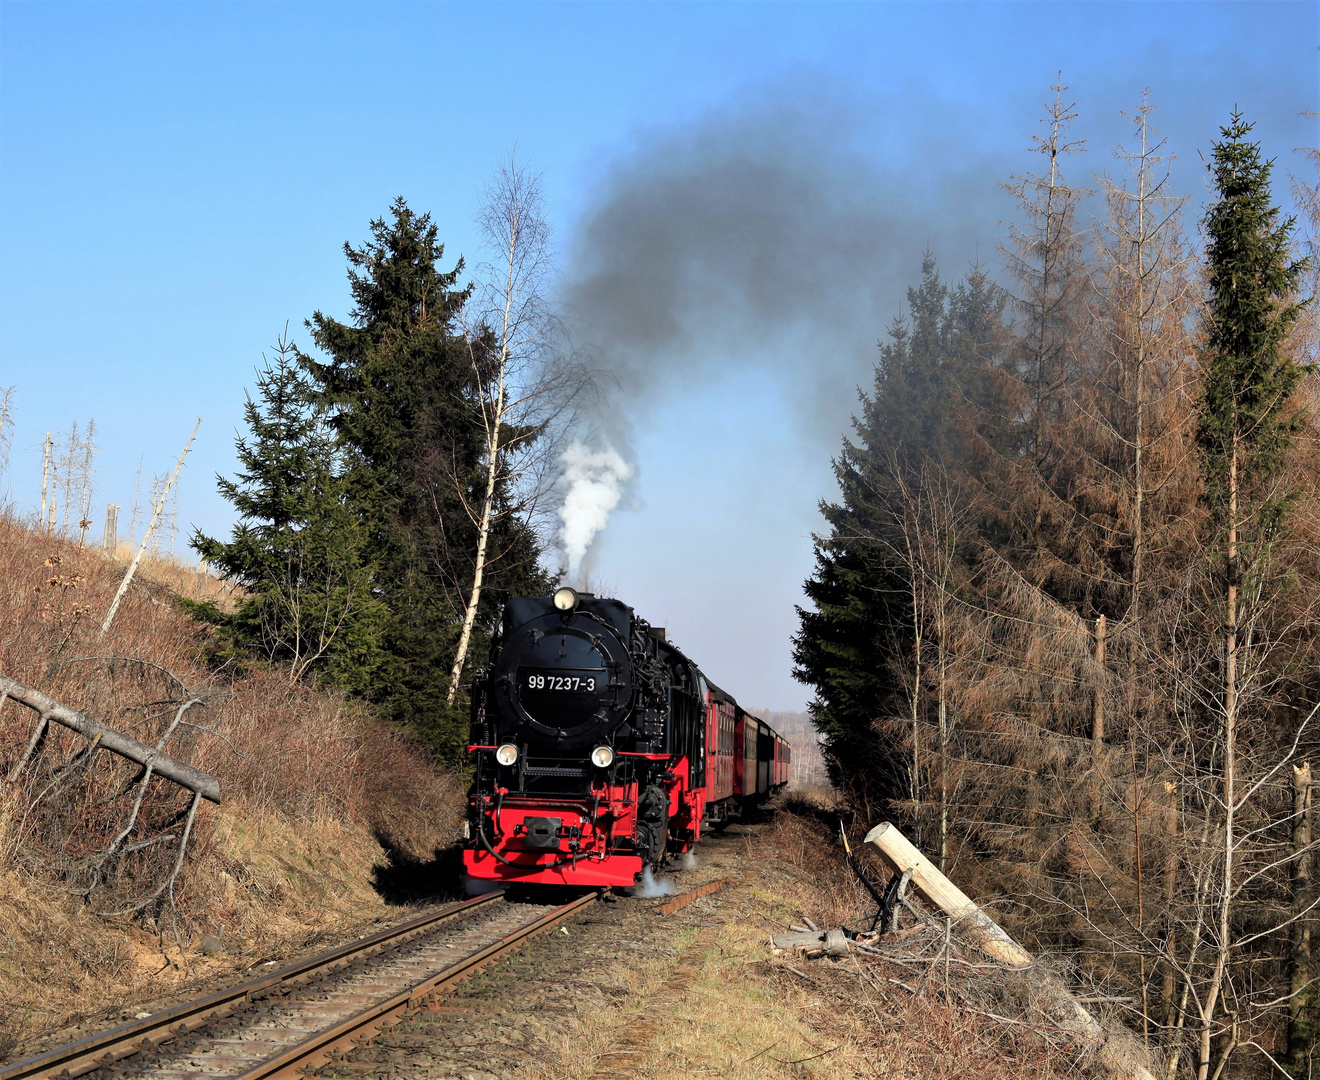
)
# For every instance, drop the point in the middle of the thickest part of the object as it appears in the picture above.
(85, 499)
(1045, 257)
(918, 613)
(6, 426)
(70, 454)
(1303, 996)
(146, 536)
(45, 482)
(48, 710)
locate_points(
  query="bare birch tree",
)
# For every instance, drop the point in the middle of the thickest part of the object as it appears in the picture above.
(525, 384)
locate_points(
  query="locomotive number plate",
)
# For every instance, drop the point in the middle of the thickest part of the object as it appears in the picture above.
(577, 682)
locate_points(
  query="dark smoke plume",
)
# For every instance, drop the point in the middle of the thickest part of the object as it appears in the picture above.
(777, 238)
(775, 241)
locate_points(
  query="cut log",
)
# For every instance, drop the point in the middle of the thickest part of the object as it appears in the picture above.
(1120, 1055)
(807, 939)
(204, 784)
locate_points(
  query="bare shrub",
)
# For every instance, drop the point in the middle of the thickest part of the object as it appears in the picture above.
(294, 754)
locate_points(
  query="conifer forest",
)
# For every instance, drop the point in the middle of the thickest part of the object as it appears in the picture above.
(1064, 618)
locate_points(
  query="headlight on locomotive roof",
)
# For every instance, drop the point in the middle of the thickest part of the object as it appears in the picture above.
(507, 754)
(602, 756)
(566, 599)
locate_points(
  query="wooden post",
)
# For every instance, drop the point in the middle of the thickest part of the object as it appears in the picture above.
(1169, 986)
(146, 536)
(1098, 692)
(110, 540)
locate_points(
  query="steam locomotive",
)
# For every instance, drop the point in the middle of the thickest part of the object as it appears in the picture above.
(600, 749)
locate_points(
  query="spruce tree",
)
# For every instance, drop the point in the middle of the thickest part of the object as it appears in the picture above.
(1249, 380)
(853, 648)
(401, 383)
(1244, 429)
(298, 552)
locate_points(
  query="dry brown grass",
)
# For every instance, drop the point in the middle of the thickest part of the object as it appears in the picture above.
(726, 1006)
(184, 579)
(309, 782)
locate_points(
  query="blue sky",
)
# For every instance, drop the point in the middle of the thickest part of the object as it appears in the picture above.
(177, 180)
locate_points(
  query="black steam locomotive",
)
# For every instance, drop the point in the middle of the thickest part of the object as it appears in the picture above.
(600, 747)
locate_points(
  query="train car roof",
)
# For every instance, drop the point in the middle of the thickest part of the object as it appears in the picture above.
(717, 693)
(724, 696)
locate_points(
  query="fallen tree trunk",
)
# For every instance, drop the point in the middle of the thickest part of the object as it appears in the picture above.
(1122, 1056)
(48, 709)
(986, 934)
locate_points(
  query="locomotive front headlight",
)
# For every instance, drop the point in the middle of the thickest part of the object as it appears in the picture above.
(566, 599)
(507, 754)
(602, 756)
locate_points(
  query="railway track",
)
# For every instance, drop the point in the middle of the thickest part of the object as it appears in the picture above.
(299, 1017)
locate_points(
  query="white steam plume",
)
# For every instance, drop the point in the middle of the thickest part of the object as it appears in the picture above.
(592, 483)
(650, 887)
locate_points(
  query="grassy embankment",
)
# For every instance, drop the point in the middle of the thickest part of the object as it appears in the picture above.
(327, 817)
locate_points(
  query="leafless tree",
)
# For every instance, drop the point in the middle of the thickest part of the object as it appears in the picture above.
(932, 520)
(6, 426)
(923, 520)
(1144, 301)
(70, 467)
(528, 385)
(1045, 257)
(1306, 196)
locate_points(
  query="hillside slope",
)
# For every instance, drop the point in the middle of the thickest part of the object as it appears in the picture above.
(328, 819)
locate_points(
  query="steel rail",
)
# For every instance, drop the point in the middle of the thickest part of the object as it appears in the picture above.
(105, 1048)
(317, 1049)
